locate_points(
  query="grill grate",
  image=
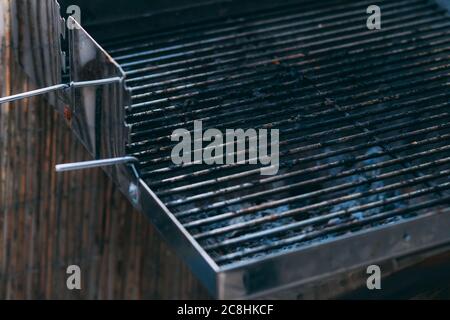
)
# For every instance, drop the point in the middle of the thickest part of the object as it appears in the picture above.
(363, 117)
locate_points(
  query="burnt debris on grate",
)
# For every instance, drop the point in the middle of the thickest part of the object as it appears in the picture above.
(363, 118)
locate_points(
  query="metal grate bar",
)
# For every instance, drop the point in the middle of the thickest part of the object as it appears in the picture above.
(363, 117)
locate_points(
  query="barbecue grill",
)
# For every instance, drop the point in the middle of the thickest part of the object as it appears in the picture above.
(363, 118)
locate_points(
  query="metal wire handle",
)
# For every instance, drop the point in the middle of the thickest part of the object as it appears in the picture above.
(38, 92)
(80, 84)
(95, 164)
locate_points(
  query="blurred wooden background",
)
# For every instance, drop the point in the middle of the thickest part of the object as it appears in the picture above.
(50, 221)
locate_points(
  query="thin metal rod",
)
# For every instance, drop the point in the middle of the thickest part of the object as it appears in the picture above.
(38, 92)
(33, 93)
(94, 164)
(92, 83)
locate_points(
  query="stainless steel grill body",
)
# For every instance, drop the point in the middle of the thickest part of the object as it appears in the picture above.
(364, 125)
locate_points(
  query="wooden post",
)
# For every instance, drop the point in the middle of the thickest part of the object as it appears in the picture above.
(49, 222)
